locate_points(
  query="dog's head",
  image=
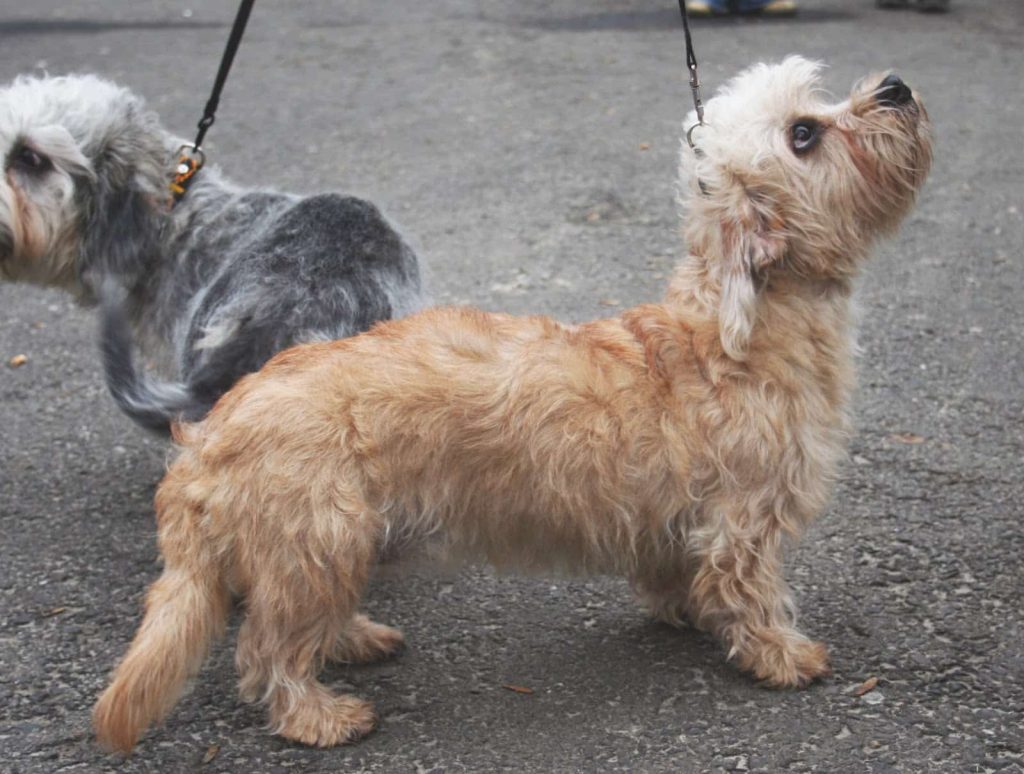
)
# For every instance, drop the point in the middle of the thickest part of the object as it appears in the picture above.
(782, 180)
(83, 165)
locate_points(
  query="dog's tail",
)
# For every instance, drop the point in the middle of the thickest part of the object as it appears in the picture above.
(153, 405)
(186, 610)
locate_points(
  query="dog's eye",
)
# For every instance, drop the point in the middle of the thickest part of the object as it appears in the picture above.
(30, 160)
(803, 135)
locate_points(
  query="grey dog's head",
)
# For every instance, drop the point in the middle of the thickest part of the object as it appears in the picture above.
(84, 169)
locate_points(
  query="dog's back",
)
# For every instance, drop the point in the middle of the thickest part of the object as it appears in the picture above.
(317, 268)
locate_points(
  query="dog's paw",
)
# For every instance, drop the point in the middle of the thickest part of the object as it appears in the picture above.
(785, 659)
(340, 720)
(365, 641)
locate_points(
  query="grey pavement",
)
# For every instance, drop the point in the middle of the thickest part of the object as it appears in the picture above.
(529, 150)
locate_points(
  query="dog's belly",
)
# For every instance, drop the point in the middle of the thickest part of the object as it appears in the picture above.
(558, 541)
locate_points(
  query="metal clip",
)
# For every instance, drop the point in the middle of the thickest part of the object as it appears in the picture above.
(698, 103)
(190, 160)
(689, 140)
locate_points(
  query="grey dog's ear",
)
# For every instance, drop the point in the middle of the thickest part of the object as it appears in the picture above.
(60, 147)
(122, 216)
(753, 238)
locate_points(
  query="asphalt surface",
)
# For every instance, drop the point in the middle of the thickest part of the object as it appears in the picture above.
(529, 149)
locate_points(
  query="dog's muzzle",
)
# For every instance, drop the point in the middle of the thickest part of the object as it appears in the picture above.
(893, 92)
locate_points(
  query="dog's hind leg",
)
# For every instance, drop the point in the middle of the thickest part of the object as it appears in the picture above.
(738, 593)
(281, 648)
(665, 593)
(363, 641)
(302, 602)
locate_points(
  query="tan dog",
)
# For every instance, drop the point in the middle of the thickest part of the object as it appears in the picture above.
(677, 445)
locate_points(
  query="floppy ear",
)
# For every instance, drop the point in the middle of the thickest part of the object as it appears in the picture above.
(58, 144)
(752, 239)
(122, 215)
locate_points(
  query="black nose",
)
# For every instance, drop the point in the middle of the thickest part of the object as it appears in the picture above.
(893, 92)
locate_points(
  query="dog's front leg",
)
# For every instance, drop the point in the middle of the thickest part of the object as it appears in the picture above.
(738, 593)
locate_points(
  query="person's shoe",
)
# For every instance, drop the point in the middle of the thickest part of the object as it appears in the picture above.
(932, 6)
(706, 7)
(779, 8)
(722, 7)
(767, 7)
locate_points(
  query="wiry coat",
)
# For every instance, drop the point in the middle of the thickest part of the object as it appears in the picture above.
(677, 444)
(211, 288)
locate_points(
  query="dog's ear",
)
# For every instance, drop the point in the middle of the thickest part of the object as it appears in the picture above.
(60, 148)
(122, 214)
(752, 238)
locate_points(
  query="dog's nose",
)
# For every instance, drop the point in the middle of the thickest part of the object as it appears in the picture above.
(893, 92)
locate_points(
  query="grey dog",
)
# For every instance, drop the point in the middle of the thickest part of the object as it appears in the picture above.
(208, 289)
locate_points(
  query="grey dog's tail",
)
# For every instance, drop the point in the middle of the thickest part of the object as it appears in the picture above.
(151, 404)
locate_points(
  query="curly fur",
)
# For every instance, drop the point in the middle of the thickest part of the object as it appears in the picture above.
(211, 288)
(679, 444)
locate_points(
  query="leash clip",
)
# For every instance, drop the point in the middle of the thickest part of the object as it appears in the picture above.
(191, 159)
(698, 104)
(691, 65)
(190, 156)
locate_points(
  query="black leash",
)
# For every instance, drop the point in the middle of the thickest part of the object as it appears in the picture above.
(691, 65)
(190, 156)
